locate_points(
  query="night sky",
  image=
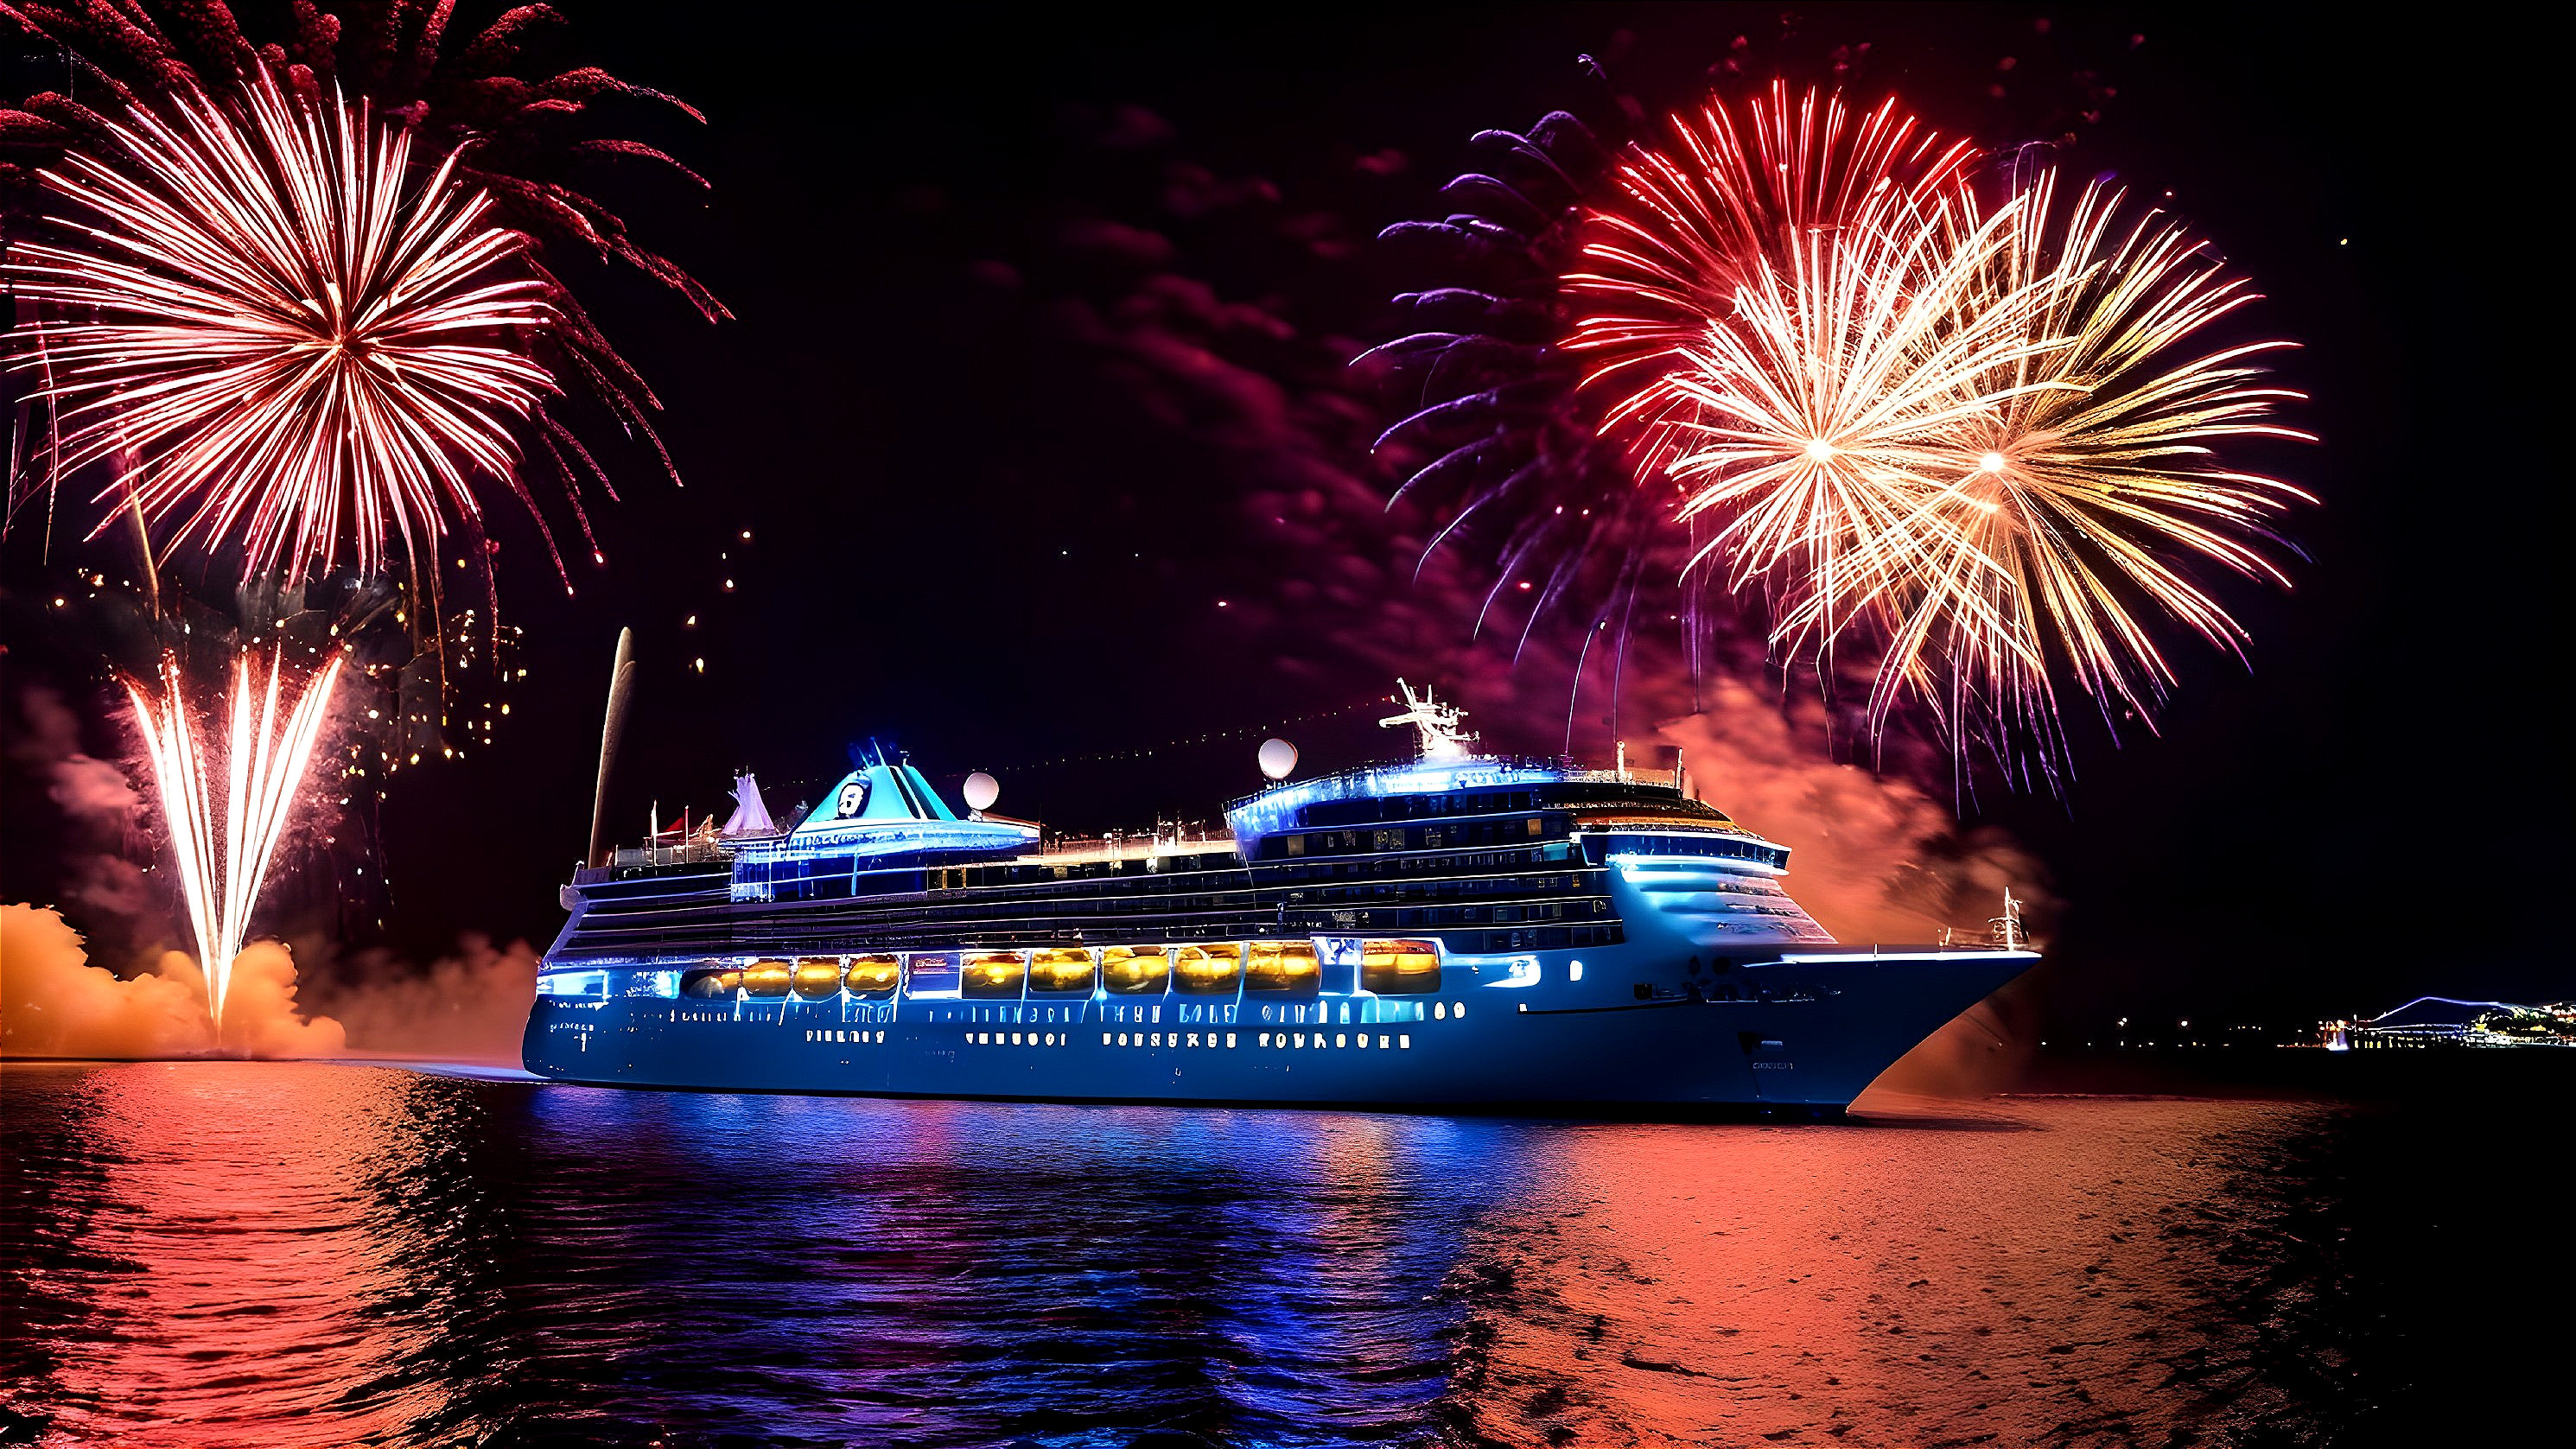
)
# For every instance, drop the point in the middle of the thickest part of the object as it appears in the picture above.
(1040, 319)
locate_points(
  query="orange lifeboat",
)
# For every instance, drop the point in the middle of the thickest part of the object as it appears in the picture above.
(1400, 968)
(1284, 966)
(1136, 970)
(1211, 970)
(994, 974)
(872, 975)
(1060, 968)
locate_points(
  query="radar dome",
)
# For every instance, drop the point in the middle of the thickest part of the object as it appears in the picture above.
(1278, 757)
(981, 791)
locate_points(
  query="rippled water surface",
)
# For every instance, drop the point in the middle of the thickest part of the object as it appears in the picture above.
(271, 1254)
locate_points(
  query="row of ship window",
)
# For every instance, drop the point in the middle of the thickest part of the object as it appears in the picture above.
(1216, 968)
(1277, 1040)
(1412, 837)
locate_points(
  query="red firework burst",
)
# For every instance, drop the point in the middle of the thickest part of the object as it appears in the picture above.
(274, 333)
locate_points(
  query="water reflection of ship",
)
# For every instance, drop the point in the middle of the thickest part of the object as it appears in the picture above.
(1450, 928)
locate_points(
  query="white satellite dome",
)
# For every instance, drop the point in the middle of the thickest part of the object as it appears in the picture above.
(1278, 758)
(981, 791)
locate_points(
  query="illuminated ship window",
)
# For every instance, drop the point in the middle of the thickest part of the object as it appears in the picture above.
(872, 975)
(767, 978)
(1285, 966)
(991, 974)
(817, 977)
(1400, 968)
(1136, 970)
(931, 973)
(1207, 970)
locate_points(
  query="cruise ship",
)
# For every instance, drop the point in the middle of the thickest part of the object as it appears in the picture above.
(1455, 930)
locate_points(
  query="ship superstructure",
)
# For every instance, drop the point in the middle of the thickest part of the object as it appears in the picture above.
(1454, 928)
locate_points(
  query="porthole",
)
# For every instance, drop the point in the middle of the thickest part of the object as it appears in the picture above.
(1459, 1010)
(1440, 1011)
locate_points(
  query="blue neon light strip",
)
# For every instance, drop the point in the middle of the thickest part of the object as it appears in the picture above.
(1273, 809)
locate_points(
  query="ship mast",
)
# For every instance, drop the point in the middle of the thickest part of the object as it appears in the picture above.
(2007, 927)
(1441, 738)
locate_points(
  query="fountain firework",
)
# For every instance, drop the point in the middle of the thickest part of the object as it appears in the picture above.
(224, 858)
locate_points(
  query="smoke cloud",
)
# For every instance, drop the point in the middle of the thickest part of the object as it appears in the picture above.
(261, 1017)
(101, 810)
(53, 1003)
(1875, 859)
(472, 1006)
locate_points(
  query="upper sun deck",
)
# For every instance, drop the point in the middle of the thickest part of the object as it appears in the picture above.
(1470, 786)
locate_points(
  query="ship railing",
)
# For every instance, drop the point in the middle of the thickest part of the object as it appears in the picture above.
(1558, 767)
(1142, 845)
(647, 857)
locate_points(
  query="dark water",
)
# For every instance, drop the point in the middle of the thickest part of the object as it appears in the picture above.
(265, 1254)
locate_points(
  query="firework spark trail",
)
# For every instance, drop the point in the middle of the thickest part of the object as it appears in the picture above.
(1982, 433)
(1803, 422)
(2089, 465)
(224, 859)
(291, 337)
(1685, 229)
(1979, 441)
(2032, 486)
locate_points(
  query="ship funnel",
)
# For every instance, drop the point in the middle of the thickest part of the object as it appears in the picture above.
(621, 688)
